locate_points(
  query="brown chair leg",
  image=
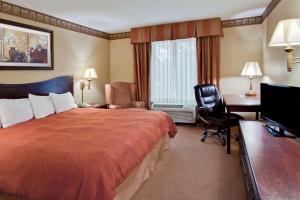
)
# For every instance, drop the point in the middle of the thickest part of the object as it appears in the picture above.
(204, 136)
(223, 140)
(228, 141)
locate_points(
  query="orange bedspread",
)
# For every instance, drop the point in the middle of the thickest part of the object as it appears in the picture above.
(81, 154)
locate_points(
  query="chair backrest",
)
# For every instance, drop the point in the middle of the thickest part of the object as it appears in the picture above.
(120, 94)
(207, 96)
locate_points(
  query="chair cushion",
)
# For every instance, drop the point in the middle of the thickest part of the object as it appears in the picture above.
(121, 94)
(224, 120)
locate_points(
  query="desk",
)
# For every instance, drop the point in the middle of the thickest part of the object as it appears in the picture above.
(271, 164)
(241, 103)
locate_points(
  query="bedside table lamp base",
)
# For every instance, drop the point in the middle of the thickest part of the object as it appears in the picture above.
(84, 105)
(250, 92)
(251, 69)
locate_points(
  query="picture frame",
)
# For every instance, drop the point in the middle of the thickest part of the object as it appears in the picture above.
(25, 47)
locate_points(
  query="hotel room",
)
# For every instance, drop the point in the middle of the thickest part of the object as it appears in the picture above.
(149, 100)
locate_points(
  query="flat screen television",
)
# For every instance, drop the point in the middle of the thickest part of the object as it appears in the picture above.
(280, 106)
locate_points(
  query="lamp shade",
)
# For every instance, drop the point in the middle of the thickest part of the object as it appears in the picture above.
(90, 73)
(287, 33)
(251, 69)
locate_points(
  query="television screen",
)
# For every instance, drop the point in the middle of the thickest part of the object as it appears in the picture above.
(280, 105)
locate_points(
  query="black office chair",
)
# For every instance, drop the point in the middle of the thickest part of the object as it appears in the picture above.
(211, 111)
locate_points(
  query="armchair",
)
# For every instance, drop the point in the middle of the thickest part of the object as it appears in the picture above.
(122, 95)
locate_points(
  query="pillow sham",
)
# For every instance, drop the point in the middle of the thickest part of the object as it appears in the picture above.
(62, 102)
(14, 111)
(42, 106)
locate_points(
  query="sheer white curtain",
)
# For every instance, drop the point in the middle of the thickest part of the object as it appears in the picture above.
(173, 71)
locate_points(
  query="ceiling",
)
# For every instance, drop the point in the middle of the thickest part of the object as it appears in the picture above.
(113, 16)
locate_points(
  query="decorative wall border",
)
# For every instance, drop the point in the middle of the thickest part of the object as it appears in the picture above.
(116, 36)
(242, 21)
(26, 13)
(270, 8)
(225, 23)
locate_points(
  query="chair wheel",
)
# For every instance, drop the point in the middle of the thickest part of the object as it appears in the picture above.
(202, 139)
(223, 142)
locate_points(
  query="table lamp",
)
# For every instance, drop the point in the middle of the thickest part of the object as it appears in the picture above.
(287, 33)
(251, 69)
(89, 74)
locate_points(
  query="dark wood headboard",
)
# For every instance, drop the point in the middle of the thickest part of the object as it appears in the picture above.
(58, 85)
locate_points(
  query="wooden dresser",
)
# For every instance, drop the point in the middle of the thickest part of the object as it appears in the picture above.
(271, 164)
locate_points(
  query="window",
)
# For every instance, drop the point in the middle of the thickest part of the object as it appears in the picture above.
(173, 71)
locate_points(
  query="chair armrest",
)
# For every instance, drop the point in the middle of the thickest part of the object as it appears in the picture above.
(111, 106)
(138, 104)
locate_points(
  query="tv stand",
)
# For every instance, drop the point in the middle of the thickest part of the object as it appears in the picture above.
(270, 165)
(278, 133)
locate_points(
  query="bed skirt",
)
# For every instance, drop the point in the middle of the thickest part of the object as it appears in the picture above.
(136, 178)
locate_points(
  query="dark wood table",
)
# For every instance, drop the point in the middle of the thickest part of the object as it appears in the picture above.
(271, 164)
(241, 103)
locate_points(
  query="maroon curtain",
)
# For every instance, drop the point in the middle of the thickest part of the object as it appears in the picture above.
(208, 60)
(142, 71)
(206, 31)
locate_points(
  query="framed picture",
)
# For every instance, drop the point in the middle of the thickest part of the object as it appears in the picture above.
(24, 47)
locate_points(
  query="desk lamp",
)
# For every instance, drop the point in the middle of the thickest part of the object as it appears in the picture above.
(251, 69)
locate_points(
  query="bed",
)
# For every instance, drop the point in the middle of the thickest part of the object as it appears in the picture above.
(79, 154)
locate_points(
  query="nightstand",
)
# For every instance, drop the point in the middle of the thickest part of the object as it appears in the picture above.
(103, 106)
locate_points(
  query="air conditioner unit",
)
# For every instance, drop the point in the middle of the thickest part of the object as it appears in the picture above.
(179, 113)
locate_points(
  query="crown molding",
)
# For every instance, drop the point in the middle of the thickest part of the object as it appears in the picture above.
(225, 23)
(117, 36)
(26, 13)
(242, 21)
(270, 8)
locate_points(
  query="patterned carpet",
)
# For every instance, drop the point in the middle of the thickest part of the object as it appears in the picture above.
(192, 170)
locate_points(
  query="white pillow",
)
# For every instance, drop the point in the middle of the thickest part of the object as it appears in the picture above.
(62, 102)
(14, 111)
(42, 106)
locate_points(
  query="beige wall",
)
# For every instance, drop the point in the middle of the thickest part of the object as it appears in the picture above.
(239, 45)
(113, 60)
(121, 60)
(72, 53)
(274, 58)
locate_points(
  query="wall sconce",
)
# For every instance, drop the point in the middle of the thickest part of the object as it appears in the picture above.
(287, 33)
(251, 69)
(89, 74)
